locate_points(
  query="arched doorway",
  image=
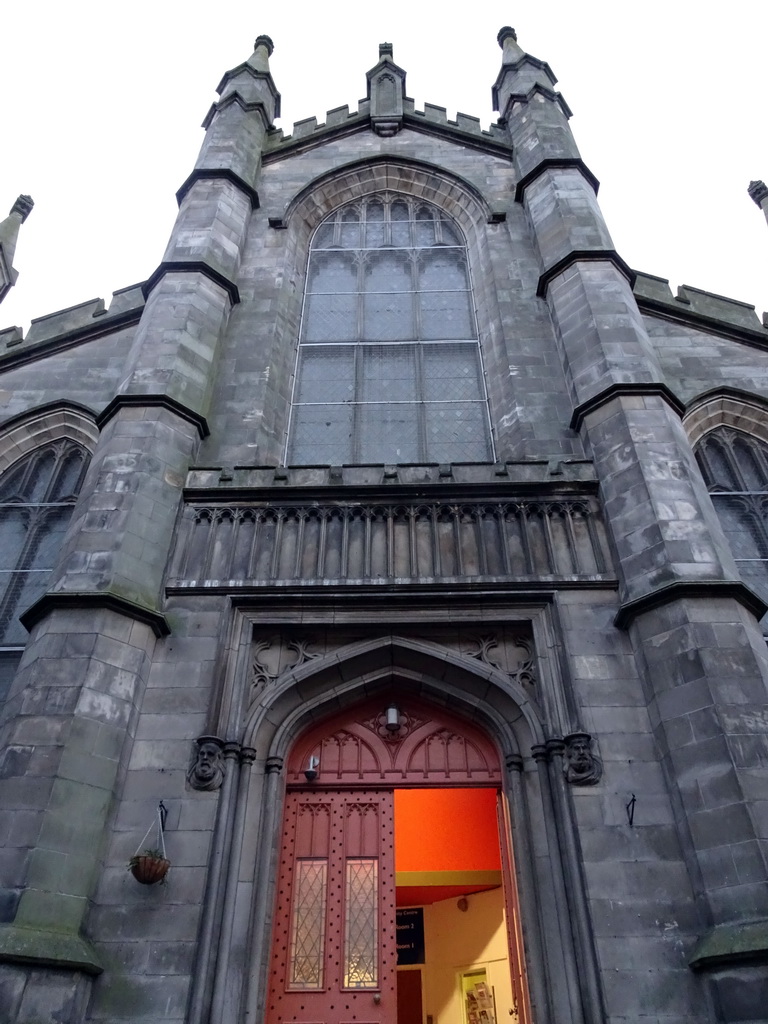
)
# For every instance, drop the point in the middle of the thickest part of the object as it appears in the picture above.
(395, 897)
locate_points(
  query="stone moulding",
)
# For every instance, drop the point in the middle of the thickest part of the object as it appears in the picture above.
(584, 256)
(47, 948)
(191, 267)
(552, 162)
(684, 589)
(729, 944)
(154, 400)
(222, 174)
(628, 388)
(154, 619)
(408, 540)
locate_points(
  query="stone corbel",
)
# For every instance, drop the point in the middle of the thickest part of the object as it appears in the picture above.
(581, 766)
(206, 770)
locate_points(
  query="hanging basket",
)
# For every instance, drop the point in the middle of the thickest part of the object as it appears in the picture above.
(149, 867)
(151, 864)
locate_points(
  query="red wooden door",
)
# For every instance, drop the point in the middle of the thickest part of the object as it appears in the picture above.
(333, 953)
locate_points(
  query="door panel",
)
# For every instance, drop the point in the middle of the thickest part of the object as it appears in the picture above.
(409, 1006)
(333, 956)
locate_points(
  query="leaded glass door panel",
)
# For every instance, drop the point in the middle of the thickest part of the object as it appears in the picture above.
(333, 955)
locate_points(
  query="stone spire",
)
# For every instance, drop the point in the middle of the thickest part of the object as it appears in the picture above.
(758, 191)
(237, 124)
(386, 92)
(521, 79)
(9, 234)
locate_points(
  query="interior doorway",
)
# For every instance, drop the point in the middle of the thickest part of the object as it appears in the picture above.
(453, 954)
(395, 895)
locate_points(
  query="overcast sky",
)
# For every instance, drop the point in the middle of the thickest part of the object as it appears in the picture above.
(103, 103)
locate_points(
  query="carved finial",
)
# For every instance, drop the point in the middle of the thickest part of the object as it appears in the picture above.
(758, 192)
(510, 51)
(385, 50)
(266, 42)
(206, 771)
(582, 766)
(23, 206)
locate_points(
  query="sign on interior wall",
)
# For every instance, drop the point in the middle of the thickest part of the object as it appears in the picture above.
(410, 936)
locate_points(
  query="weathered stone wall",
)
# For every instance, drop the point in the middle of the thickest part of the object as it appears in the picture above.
(523, 375)
(187, 556)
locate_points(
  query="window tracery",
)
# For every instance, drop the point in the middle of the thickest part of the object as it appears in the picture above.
(37, 496)
(389, 367)
(735, 469)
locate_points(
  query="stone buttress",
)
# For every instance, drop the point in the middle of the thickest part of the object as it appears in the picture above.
(692, 622)
(76, 695)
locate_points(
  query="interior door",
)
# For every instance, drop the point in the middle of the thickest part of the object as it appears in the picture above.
(334, 953)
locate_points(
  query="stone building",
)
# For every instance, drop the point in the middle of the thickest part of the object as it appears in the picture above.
(402, 553)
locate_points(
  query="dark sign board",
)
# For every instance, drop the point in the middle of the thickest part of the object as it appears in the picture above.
(410, 936)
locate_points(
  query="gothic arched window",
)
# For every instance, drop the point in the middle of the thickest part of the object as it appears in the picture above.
(735, 469)
(388, 367)
(37, 495)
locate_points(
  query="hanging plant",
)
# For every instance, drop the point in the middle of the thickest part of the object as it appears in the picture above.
(151, 864)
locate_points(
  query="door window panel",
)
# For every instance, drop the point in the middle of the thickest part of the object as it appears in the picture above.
(310, 896)
(361, 924)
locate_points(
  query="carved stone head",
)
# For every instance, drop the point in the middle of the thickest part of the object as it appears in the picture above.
(206, 771)
(582, 766)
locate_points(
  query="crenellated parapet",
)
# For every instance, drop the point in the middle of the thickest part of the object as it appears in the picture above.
(387, 110)
(464, 129)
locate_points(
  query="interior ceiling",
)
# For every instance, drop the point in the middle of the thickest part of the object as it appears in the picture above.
(446, 844)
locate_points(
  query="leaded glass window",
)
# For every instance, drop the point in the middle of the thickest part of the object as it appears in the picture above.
(37, 495)
(310, 896)
(735, 468)
(361, 967)
(389, 367)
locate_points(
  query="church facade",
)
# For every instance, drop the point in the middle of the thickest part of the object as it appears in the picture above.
(382, 584)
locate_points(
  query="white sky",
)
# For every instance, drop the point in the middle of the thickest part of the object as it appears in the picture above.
(102, 105)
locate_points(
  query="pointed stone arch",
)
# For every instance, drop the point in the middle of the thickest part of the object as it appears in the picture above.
(726, 407)
(57, 421)
(359, 178)
(317, 199)
(478, 691)
(430, 746)
(523, 728)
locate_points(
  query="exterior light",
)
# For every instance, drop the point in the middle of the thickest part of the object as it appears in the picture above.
(393, 718)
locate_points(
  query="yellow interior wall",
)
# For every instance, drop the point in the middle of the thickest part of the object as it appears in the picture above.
(458, 941)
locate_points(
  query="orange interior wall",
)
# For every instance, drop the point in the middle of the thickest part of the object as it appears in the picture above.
(446, 830)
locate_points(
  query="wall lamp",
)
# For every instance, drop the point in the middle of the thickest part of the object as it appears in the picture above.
(393, 718)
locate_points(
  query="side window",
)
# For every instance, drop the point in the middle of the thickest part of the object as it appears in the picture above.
(37, 496)
(388, 367)
(735, 469)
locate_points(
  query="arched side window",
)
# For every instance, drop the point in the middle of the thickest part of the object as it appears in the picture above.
(37, 496)
(735, 469)
(388, 367)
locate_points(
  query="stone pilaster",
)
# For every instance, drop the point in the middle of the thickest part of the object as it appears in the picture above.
(691, 619)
